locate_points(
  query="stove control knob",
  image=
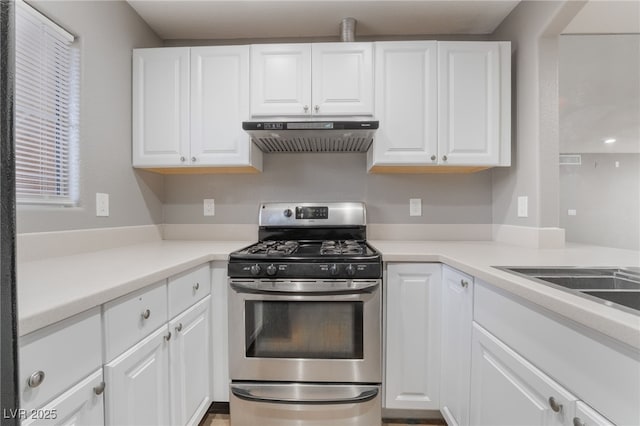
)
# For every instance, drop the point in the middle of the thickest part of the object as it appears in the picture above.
(351, 270)
(271, 269)
(255, 269)
(287, 213)
(333, 269)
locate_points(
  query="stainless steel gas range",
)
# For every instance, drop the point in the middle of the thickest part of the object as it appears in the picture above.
(305, 319)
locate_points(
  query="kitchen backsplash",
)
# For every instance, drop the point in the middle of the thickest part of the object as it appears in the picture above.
(446, 198)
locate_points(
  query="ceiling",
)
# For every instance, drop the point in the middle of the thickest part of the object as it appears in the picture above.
(255, 19)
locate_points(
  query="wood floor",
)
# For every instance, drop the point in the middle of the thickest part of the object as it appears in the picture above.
(223, 420)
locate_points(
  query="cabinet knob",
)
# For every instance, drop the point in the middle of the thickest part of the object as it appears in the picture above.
(99, 389)
(36, 379)
(433, 158)
(167, 337)
(464, 283)
(306, 108)
(577, 421)
(196, 286)
(183, 159)
(444, 158)
(179, 328)
(145, 314)
(193, 159)
(554, 405)
(317, 108)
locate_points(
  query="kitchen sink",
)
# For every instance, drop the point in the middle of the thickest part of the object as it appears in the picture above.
(618, 287)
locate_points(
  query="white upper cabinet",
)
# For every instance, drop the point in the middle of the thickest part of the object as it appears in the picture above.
(160, 106)
(188, 108)
(281, 79)
(406, 103)
(219, 104)
(474, 91)
(312, 79)
(342, 75)
(441, 104)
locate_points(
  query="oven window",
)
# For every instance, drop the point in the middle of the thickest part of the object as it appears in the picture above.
(317, 330)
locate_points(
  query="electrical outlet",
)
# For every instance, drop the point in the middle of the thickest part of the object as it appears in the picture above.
(209, 207)
(415, 207)
(102, 204)
(523, 208)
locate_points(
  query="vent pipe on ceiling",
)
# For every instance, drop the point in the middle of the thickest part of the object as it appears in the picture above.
(348, 29)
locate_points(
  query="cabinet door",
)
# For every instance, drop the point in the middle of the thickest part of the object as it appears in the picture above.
(280, 79)
(455, 373)
(412, 336)
(80, 405)
(507, 390)
(470, 96)
(137, 383)
(190, 364)
(219, 104)
(160, 106)
(587, 416)
(220, 332)
(342, 82)
(406, 103)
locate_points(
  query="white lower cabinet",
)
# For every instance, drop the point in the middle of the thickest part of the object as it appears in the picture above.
(412, 341)
(508, 390)
(138, 383)
(587, 416)
(455, 367)
(190, 364)
(80, 405)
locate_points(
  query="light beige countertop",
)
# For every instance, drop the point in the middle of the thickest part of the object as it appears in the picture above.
(56, 288)
(52, 289)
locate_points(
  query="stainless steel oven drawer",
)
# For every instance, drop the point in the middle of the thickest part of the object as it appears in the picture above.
(302, 404)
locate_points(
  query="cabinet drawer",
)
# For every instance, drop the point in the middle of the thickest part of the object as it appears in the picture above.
(64, 352)
(79, 405)
(130, 318)
(187, 288)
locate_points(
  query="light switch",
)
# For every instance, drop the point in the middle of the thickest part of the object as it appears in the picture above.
(572, 212)
(102, 204)
(415, 207)
(209, 207)
(523, 207)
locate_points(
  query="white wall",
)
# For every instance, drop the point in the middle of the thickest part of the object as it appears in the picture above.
(446, 198)
(533, 28)
(107, 31)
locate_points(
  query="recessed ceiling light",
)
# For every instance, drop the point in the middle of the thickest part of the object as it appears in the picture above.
(610, 140)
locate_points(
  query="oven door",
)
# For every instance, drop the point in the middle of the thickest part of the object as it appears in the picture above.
(305, 330)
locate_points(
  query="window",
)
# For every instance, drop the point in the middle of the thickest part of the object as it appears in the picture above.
(46, 105)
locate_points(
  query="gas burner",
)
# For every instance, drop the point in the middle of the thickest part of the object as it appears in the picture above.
(347, 247)
(274, 248)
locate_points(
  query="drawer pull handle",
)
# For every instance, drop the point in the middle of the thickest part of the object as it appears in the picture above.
(167, 337)
(433, 158)
(464, 283)
(146, 314)
(306, 108)
(36, 379)
(444, 158)
(554, 405)
(577, 421)
(317, 108)
(196, 286)
(99, 389)
(179, 328)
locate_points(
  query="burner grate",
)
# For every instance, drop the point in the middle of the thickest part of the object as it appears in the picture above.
(347, 247)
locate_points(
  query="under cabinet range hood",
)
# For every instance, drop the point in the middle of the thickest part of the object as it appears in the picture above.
(311, 136)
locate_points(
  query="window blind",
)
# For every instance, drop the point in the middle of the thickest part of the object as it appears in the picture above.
(47, 110)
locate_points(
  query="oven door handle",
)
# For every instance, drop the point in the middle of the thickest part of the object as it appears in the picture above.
(305, 287)
(304, 394)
